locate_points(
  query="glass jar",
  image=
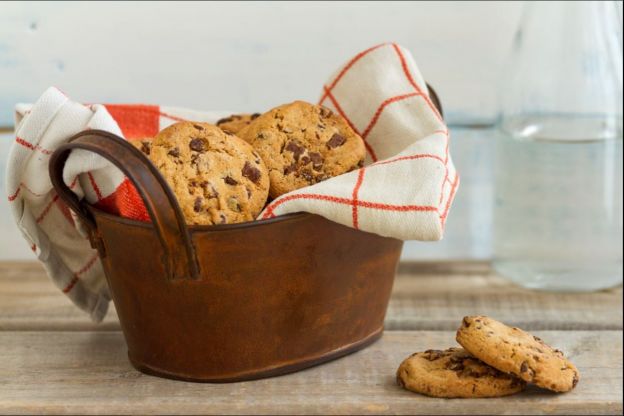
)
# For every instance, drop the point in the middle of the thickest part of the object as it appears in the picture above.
(558, 164)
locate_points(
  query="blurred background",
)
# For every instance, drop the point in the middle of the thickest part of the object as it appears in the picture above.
(251, 56)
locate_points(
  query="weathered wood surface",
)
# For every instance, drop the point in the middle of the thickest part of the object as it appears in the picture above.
(54, 360)
(426, 296)
(88, 373)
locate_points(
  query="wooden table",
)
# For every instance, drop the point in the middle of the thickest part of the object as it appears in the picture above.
(54, 360)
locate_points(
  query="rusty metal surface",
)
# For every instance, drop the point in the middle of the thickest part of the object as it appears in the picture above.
(232, 302)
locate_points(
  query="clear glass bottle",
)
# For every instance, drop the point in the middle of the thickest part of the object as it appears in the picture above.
(558, 169)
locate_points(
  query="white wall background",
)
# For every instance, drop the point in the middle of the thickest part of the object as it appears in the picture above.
(245, 56)
(251, 56)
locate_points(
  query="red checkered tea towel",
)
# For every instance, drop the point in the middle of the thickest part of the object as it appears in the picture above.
(404, 191)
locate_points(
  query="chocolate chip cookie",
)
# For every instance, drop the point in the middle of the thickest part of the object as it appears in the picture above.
(217, 178)
(454, 373)
(515, 351)
(303, 144)
(236, 122)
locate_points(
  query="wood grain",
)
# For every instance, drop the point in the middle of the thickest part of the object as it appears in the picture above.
(88, 373)
(429, 296)
(435, 301)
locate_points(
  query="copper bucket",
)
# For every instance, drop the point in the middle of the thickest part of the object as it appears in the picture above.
(231, 302)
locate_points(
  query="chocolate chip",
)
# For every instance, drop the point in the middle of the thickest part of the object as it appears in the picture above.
(325, 112)
(290, 169)
(255, 116)
(194, 158)
(252, 173)
(230, 181)
(198, 127)
(317, 160)
(336, 141)
(575, 380)
(305, 160)
(433, 355)
(456, 359)
(197, 145)
(233, 204)
(175, 152)
(295, 149)
(223, 219)
(524, 368)
(455, 366)
(209, 190)
(146, 147)
(224, 120)
(197, 204)
(465, 322)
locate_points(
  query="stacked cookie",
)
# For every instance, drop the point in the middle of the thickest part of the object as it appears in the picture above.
(496, 360)
(227, 173)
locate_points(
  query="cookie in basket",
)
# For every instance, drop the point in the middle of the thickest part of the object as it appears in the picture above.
(217, 178)
(517, 352)
(236, 122)
(454, 373)
(303, 144)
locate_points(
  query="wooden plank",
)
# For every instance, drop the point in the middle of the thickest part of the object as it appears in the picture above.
(429, 296)
(88, 373)
(432, 301)
(30, 301)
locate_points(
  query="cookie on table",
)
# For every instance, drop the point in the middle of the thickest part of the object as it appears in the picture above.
(236, 122)
(217, 178)
(144, 145)
(515, 351)
(303, 144)
(454, 373)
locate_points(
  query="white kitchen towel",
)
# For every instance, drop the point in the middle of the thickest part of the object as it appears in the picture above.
(404, 190)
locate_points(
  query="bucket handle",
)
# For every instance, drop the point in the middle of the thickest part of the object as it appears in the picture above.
(161, 203)
(434, 99)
